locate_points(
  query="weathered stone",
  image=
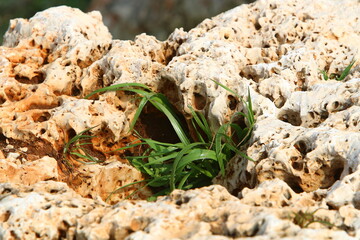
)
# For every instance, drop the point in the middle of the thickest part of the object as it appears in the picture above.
(46, 210)
(103, 181)
(30, 172)
(305, 144)
(194, 214)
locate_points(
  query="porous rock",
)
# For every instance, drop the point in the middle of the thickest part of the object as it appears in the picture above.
(42, 62)
(206, 213)
(304, 144)
(28, 173)
(105, 180)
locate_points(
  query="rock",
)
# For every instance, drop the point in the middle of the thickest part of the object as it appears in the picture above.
(101, 181)
(40, 88)
(196, 214)
(302, 184)
(28, 173)
(277, 194)
(53, 206)
(345, 191)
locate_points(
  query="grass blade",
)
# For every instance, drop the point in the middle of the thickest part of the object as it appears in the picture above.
(118, 87)
(178, 158)
(346, 71)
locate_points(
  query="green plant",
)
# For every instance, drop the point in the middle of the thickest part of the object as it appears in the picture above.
(304, 219)
(338, 76)
(191, 162)
(75, 149)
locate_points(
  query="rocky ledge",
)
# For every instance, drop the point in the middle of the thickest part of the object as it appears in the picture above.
(304, 181)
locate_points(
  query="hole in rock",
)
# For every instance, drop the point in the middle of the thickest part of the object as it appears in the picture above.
(70, 134)
(232, 102)
(14, 235)
(336, 104)
(15, 94)
(183, 200)
(38, 78)
(41, 117)
(35, 148)
(155, 125)
(75, 91)
(263, 155)
(297, 165)
(293, 182)
(290, 116)
(5, 216)
(312, 115)
(301, 76)
(100, 78)
(324, 115)
(63, 230)
(54, 191)
(6, 191)
(302, 147)
(46, 207)
(331, 206)
(199, 101)
(84, 63)
(257, 25)
(2, 100)
(170, 52)
(332, 172)
(170, 90)
(2, 137)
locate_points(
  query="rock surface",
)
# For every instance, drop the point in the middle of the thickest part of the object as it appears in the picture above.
(305, 143)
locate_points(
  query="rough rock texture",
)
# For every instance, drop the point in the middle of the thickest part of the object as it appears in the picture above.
(305, 143)
(42, 62)
(28, 173)
(207, 213)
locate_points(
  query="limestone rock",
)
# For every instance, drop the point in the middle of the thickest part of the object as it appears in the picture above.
(102, 181)
(61, 32)
(345, 191)
(305, 144)
(276, 193)
(45, 63)
(30, 172)
(45, 210)
(195, 214)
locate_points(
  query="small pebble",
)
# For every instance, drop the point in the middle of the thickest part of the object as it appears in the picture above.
(9, 146)
(24, 149)
(13, 155)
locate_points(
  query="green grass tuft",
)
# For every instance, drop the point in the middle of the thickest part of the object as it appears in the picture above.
(75, 149)
(338, 76)
(304, 219)
(190, 163)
